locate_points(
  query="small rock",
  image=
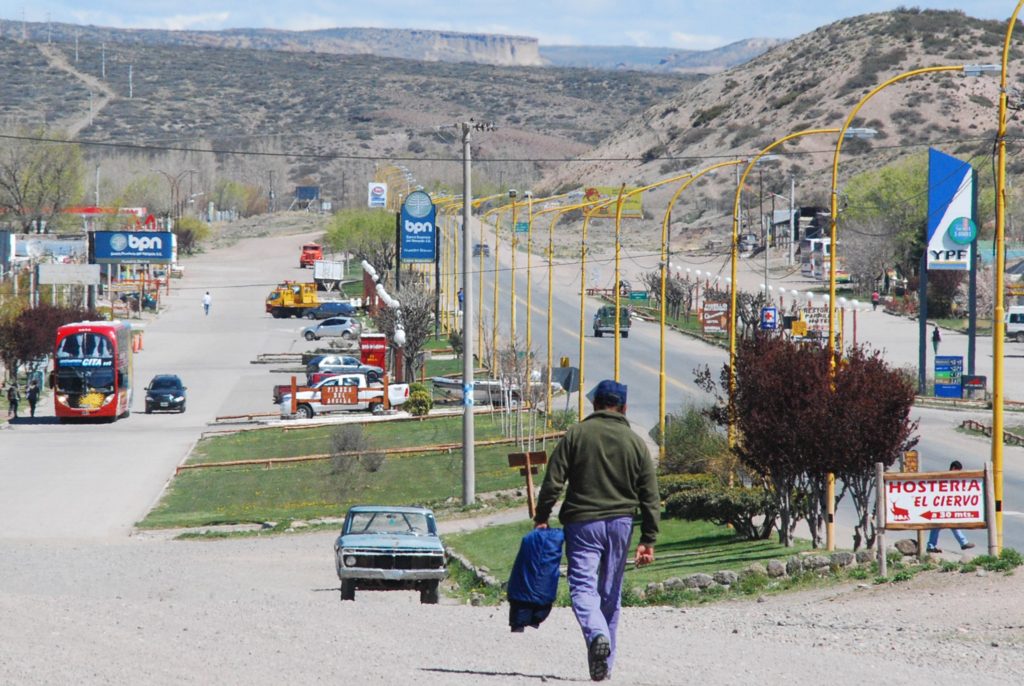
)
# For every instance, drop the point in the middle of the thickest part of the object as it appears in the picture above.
(776, 568)
(762, 599)
(698, 581)
(906, 546)
(794, 566)
(754, 569)
(299, 524)
(816, 562)
(654, 588)
(865, 557)
(981, 572)
(726, 578)
(674, 584)
(843, 559)
(268, 525)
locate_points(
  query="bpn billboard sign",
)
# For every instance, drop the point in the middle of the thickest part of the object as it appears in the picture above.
(418, 228)
(121, 247)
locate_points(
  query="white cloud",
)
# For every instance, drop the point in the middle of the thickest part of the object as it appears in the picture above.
(691, 41)
(638, 38)
(190, 22)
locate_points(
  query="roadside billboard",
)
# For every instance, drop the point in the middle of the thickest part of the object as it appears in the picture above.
(132, 247)
(935, 500)
(951, 228)
(418, 229)
(715, 317)
(377, 195)
(73, 274)
(632, 206)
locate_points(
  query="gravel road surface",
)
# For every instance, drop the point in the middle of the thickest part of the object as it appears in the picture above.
(83, 602)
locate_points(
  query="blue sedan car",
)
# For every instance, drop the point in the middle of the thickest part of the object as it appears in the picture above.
(390, 548)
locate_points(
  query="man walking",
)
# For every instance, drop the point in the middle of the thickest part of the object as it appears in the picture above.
(32, 394)
(610, 473)
(13, 398)
(207, 299)
(933, 535)
(936, 339)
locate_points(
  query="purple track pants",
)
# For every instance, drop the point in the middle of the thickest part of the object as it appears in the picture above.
(596, 552)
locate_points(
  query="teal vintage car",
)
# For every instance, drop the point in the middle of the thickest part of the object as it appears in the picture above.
(390, 548)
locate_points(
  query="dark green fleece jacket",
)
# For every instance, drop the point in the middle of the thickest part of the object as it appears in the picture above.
(609, 473)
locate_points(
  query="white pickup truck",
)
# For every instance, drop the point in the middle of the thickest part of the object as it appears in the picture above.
(342, 393)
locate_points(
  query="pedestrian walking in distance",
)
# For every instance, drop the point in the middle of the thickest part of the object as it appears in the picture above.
(875, 298)
(936, 339)
(933, 535)
(13, 398)
(607, 473)
(207, 299)
(32, 394)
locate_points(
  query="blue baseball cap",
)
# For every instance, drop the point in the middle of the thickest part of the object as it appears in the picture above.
(608, 392)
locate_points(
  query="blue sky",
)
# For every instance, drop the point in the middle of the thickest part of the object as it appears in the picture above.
(689, 24)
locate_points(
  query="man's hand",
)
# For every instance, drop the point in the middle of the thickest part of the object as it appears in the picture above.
(540, 525)
(644, 555)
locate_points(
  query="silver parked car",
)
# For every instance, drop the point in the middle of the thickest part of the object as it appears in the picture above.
(337, 327)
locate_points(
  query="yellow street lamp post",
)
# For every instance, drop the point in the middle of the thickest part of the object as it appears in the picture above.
(735, 258)
(846, 132)
(664, 289)
(999, 312)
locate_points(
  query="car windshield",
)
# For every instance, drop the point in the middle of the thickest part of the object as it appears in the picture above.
(414, 523)
(164, 383)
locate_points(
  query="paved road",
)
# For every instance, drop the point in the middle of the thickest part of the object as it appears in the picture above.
(97, 480)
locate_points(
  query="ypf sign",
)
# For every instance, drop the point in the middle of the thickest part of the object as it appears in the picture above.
(377, 195)
(418, 228)
(951, 229)
(932, 500)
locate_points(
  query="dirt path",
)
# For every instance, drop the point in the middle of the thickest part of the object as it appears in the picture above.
(102, 93)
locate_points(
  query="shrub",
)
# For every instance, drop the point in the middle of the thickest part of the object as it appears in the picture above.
(418, 404)
(562, 419)
(738, 507)
(456, 342)
(670, 484)
(417, 387)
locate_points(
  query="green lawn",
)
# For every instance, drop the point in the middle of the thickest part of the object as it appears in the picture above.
(312, 489)
(683, 548)
(270, 443)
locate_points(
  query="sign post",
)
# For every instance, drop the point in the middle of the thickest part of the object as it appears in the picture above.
(528, 463)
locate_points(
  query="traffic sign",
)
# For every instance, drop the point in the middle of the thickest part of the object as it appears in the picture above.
(522, 227)
(769, 318)
(638, 295)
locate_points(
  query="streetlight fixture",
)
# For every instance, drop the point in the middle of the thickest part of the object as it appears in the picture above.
(844, 132)
(665, 267)
(999, 312)
(735, 259)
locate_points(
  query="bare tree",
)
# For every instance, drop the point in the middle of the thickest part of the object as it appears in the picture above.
(39, 178)
(417, 319)
(868, 246)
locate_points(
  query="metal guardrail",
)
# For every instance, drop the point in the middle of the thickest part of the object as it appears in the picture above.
(1009, 438)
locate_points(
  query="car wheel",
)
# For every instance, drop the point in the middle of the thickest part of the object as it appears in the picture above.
(346, 335)
(305, 411)
(1020, 336)
(597, 334)
(348, 590)
(181, 409)
(429, 594)
(625, 334)
(376, 408)
(310, 315)
(310, 336)
(149, 410)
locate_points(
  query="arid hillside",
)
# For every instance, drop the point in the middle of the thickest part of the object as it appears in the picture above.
(814, 82)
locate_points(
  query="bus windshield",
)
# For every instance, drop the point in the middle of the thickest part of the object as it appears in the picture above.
(82, 380)
(86, 345)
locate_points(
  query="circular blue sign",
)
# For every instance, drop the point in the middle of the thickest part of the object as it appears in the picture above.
(418, 205)
(962, 230)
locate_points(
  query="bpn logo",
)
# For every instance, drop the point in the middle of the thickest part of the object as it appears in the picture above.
(119, 242)
(418, 227)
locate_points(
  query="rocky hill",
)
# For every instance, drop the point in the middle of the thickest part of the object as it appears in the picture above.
(428, 46)
(657, 59)
(813, 82)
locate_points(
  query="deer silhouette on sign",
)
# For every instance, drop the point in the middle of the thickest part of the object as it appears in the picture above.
(899, 514)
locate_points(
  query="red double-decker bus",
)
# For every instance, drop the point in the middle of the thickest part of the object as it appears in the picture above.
(92, 370)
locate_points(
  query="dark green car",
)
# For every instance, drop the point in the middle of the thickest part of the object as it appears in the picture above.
(604, 321)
